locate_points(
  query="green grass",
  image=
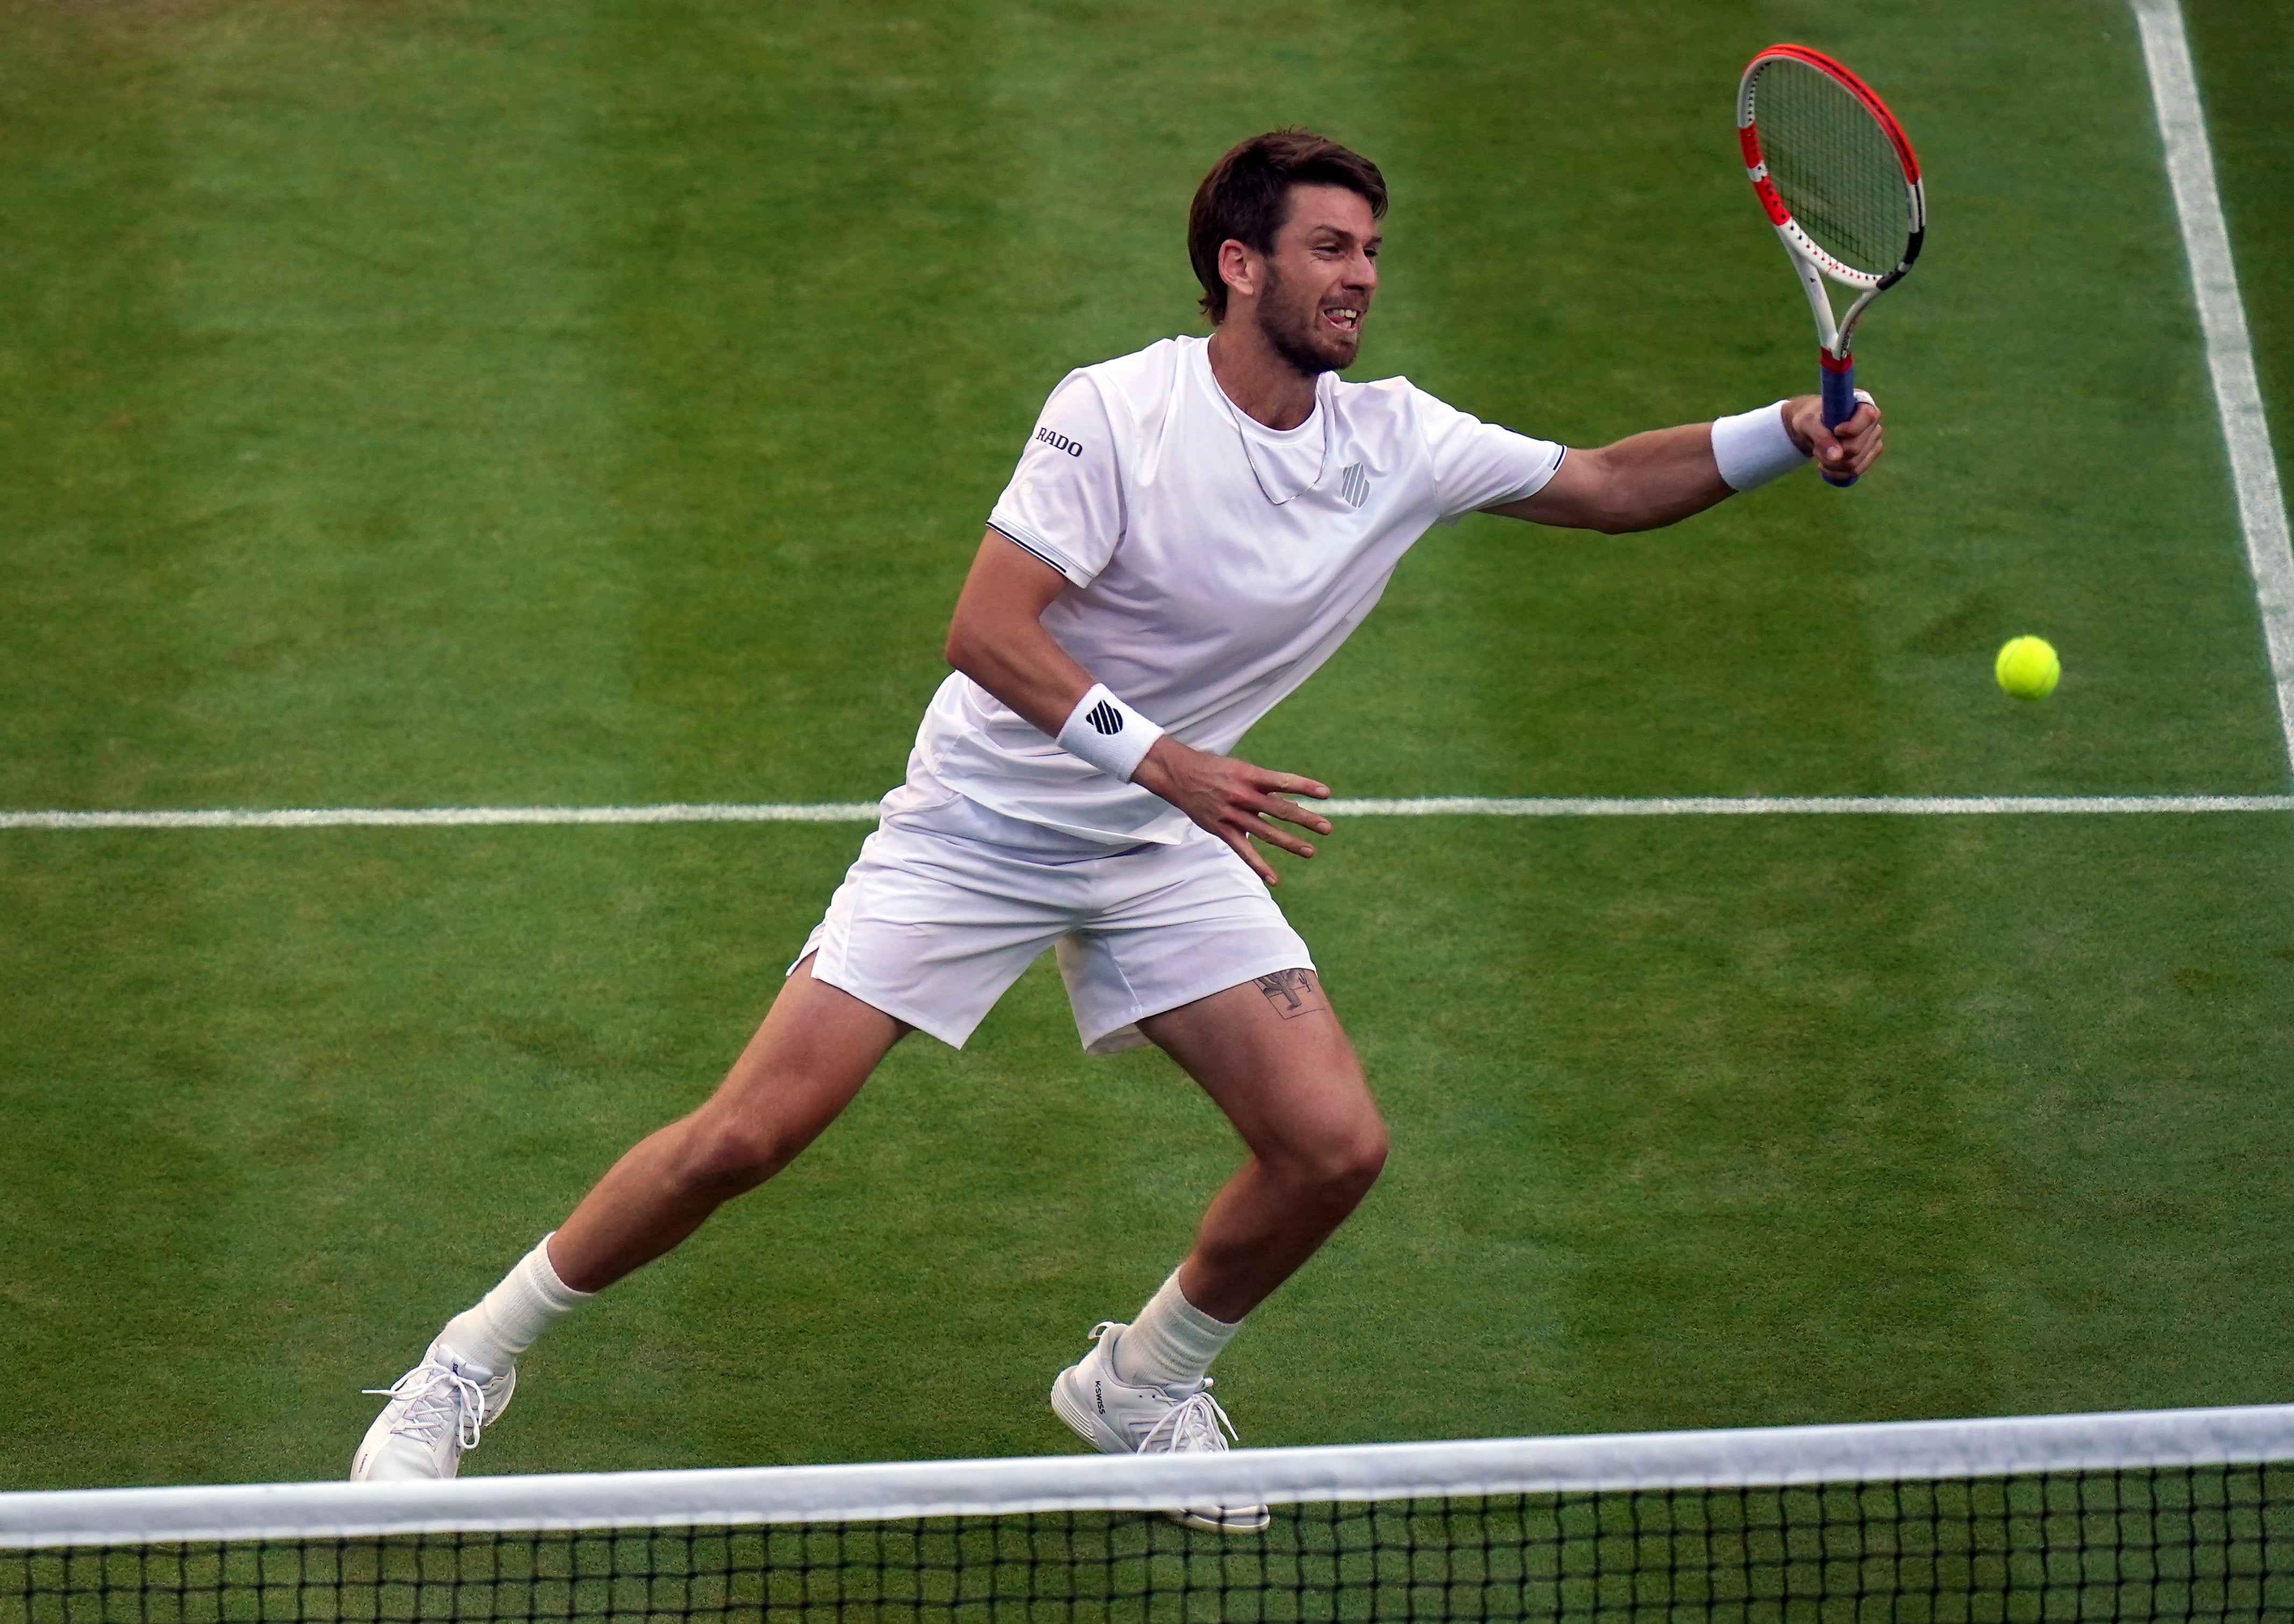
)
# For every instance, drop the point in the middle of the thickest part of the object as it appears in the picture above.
(434, 404)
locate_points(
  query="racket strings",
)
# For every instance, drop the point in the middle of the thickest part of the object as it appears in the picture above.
(1833, 166)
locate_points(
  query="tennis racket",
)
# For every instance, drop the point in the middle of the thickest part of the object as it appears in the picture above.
(1837, 174)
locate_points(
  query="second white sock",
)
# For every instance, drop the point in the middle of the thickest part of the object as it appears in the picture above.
(1172, 1342)
(504, 1323)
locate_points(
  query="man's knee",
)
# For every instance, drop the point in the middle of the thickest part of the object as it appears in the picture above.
(725, 1155)
(1362, 1158)
(1342, 1160)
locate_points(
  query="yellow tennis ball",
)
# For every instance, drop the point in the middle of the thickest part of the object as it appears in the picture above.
(2027, 668)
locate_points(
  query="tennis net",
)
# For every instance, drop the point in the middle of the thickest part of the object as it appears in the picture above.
(2164, 1515)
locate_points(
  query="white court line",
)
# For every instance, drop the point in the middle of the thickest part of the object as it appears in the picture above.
(1762, 806)
(1441, 805)
(2230, 353)
(424, 817)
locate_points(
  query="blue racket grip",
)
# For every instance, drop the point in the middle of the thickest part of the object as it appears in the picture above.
(1839, 401)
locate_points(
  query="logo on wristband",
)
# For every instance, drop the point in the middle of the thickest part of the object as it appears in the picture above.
(1105, 718)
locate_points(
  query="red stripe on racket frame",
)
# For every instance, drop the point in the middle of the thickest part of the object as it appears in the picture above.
(1839, 73)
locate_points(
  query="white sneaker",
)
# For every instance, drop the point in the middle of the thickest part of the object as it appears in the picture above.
(1118, 1418)
(436, 1411)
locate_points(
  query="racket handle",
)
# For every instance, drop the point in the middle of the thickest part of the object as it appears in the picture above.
(1839, 400)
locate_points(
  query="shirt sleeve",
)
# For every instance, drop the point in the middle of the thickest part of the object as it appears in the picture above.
(1479, 465)
(1065, 500)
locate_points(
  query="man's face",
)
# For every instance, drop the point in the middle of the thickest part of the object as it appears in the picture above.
(1320, 279)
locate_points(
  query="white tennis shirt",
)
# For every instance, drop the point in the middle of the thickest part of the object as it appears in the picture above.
(1214, 564)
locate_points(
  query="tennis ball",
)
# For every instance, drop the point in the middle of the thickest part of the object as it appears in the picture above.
(2027, 668)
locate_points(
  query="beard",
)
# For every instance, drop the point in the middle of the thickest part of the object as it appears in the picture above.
(1292, 325)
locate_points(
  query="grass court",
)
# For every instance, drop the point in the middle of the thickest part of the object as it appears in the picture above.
(434, 404)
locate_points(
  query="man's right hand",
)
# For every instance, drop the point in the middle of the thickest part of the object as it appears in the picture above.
(1234, 800)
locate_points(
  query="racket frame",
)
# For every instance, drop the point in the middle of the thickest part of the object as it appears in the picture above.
(1810, 262)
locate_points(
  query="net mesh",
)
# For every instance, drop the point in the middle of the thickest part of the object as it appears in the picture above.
(2208, 1542)
(1833, 166)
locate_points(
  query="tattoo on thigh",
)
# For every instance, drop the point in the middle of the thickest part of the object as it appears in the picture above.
(1293, 993)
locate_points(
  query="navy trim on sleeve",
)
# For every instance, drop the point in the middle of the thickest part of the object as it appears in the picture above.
(1037, 549)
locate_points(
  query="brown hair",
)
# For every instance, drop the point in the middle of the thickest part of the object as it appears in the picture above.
(1246, 196)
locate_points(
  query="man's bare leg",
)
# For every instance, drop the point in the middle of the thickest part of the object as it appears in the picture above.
(1271, 1054)
(817, 1045)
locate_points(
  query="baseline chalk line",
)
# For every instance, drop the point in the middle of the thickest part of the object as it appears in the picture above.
(1764, 806)
(1438, 806)
(431, 817)
(2230, 352)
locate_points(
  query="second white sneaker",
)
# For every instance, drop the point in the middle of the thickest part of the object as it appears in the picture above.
(436, 1411)
(1118, 1418)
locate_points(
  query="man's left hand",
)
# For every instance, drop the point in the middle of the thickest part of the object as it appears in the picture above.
(1848, 451)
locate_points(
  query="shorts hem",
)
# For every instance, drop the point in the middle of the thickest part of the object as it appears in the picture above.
(952, 1037)
(1164, 1004)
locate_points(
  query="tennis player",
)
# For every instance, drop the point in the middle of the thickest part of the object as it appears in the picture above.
(1190, 532)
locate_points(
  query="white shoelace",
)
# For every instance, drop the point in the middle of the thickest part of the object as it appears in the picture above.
(1190, 1425)
(434, 1395)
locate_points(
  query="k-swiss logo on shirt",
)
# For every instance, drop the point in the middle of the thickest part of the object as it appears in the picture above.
(1105, 718)
(1060, 442)
(1353, 485)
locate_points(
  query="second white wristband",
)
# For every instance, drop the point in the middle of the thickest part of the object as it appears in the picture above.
(1753, 447)
(1109, 733)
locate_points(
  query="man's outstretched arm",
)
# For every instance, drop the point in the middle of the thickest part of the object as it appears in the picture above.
(997, 639)
(1662, 477)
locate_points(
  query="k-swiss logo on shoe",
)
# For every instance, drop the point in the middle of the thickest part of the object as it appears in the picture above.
(1060, 442)
(1353, 485)
(1099, 1398)
(1105, 718)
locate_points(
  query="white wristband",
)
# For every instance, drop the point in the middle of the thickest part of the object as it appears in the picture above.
(1753, 448)
(1109, 733)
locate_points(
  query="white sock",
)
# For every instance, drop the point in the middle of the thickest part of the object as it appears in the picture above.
(1172, 1342)
(506, 1320)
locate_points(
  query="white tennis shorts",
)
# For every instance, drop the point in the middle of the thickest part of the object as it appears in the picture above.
(945, 907)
